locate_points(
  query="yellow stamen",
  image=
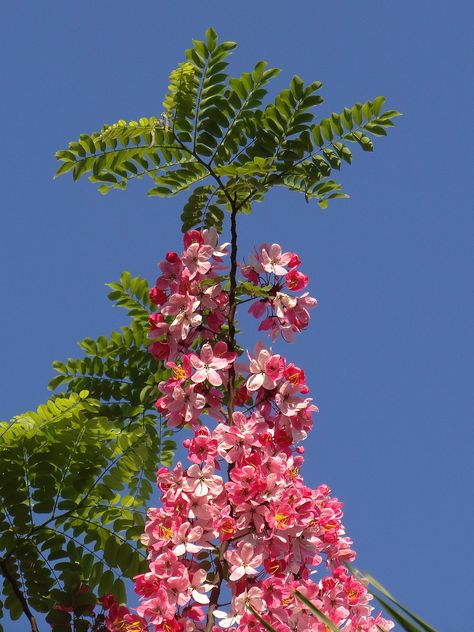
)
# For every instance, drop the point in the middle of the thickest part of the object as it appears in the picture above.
(330, 525)
(166, 533)
(281, 520)
(178, 373)
(294, 378)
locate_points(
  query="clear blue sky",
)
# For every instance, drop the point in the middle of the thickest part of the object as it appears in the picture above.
(389, 353)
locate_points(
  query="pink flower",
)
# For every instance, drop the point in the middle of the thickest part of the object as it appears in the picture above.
(272, 259)
(184, 308)
(294, 261)
(186, 403)
(202, 447)
(250, 273)
(157, 608)
(210, 238)
(180, 373)
(196, 259)
(199, 587)
(201, 480)
(192, 237)
(294, 375)
(243, 561)
(251, 597)
(159, 350)
(207, 366)
(296, 280)
(158, 326)
(189, 539)
(171, 269)
(264, 370)
(288, 401)
(156, 296)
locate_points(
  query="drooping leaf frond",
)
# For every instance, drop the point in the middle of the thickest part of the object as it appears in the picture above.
(65, 504)
(77, 472)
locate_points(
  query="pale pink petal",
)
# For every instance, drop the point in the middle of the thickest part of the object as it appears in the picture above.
(255, 381)
(196, 362)
(200, 376)
(219, 363)
(247, 552)
(200, 597)
(206, 353)
(214, 377)
(237, 574)
(179, 549)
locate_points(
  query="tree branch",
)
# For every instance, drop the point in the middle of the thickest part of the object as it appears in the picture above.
(20, 596)
(220, 561)
(232, 302)
(216, 591)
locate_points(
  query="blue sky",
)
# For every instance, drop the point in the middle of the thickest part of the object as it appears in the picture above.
(389, 351)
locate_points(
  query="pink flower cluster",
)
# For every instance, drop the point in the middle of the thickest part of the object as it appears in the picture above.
(119, 618)
(285, 314)
(238, 532)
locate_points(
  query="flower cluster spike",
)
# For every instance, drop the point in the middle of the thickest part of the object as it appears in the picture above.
(238, 533)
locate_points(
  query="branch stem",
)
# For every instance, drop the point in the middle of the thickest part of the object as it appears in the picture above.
(20, 596)
(220, 557)
(232, 302)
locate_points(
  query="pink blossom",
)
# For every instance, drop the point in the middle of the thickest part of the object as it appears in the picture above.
(185, 404)
(258, 308)
(188, 539)
(207, 366)
(184, 309)
(261, 376)
(202, 447)
(296, 280)
(243, 561)
(201, 480)
(196, 259)
(272, 259)
(200, 587)
(288, 400)
(241, 506)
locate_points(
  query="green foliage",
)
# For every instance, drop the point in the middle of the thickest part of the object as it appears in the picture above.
(66, 510)
(218, 138)
(117, 368)
(76, 474)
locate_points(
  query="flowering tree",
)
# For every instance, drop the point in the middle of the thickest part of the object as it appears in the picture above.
(238, 535)
(239, 525)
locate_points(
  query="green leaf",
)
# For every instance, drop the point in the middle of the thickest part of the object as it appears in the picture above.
(119, 591)
(326, 128)
(377, 104)
(106, 584)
